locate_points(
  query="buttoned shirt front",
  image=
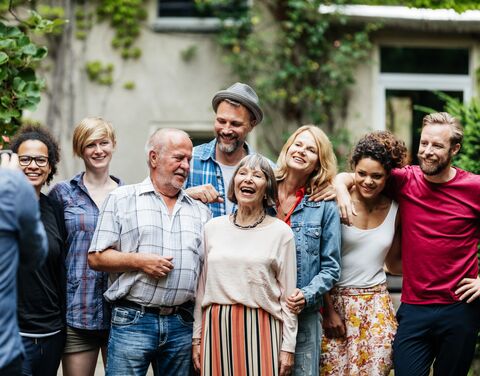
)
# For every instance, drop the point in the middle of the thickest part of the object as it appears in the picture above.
(136, 219)
(204, 169)
(86, 307)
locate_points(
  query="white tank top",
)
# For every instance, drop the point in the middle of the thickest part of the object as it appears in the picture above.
(364, 252)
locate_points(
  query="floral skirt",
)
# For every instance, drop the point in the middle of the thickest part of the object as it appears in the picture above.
(370, 324)
(239, 341)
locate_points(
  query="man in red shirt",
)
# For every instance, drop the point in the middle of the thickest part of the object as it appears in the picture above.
(439, 317)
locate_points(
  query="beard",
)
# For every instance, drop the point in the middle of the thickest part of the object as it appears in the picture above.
(436, 168)
(229, 148)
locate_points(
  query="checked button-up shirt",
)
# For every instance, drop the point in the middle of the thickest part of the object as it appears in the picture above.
(136, 219)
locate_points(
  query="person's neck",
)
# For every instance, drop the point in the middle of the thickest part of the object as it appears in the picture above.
(247, 215)
(369, 204)
(291, 184)
(443, 176)
(230, 159)
(96, 178)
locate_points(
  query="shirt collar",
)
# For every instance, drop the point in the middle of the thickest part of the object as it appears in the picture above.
(146, 186)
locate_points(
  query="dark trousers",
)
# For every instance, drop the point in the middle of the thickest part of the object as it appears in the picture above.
(14, 368)
(43, 355)
(444, 335)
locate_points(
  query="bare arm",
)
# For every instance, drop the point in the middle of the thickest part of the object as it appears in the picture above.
(332, 322)
(393, 261)
(344, 181)
(114, 261)
(324, 192)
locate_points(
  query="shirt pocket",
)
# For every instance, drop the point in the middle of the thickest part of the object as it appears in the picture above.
(312, 238)
(80, 216)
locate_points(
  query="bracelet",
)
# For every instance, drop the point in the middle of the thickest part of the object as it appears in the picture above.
(196, 341)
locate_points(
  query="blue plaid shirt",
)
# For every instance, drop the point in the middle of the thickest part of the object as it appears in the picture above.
(204, 169)
(86, 307)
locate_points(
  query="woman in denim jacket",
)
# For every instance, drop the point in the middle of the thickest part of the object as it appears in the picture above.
(306, 162)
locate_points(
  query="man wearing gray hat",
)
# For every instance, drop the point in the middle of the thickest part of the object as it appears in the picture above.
(237, 112)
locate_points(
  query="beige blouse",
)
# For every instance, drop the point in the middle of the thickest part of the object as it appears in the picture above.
(254, 267)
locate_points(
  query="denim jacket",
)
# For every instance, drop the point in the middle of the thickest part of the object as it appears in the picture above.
(316, 226)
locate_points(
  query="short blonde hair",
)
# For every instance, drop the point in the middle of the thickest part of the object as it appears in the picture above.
(445, 119)
(91, 129)
(327, 168)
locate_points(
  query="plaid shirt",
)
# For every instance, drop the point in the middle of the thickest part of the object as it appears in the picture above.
(86, 307)
(204, 169)
(135, 219)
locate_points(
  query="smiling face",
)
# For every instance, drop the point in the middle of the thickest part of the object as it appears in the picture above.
(98, 154)
(302, 155)
(232, 125)
(170, 165)
(370, 178)
(35, 174)
(250, 185)
(435, 152)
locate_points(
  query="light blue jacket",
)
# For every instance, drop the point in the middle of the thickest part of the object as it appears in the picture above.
(316, 226)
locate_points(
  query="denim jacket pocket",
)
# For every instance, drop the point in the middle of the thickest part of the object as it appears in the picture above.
(123, 316)
(312, 238)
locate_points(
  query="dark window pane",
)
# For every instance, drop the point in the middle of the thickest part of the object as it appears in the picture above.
(405, 120)
(424, 60)
(188, 8)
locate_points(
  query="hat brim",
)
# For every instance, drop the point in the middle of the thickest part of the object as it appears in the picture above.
(225, 94)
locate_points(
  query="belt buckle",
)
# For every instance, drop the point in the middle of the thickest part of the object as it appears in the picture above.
(165, 311)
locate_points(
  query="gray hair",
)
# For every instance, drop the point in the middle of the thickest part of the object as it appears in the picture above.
(157, 140)
(257, 161)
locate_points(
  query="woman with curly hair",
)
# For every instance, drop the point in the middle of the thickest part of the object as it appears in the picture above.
(41, 293)
(359, 320)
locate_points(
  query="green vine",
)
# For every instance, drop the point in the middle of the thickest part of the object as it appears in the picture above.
(125, 17)
(100, 73)
(457, 5)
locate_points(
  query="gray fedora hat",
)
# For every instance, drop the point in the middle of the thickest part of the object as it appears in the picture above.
(243, 94)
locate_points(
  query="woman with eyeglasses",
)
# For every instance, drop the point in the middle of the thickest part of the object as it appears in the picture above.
(41, 293)
(88, 314)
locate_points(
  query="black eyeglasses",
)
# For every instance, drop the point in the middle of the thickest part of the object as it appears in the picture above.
(25, 160)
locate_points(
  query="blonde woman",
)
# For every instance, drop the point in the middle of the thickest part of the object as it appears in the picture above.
(82, 197)
(307, 162)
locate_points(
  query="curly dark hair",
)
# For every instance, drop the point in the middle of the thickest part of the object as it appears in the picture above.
(383, 147)
(36, 132)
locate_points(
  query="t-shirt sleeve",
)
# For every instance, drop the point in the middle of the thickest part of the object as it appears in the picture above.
(396, 180)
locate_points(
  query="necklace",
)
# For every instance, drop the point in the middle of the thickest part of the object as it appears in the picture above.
(260, 220)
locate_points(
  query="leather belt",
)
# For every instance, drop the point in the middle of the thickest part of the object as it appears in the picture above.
(162, 310)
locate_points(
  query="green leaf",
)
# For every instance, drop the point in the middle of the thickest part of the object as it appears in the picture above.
(3, 58)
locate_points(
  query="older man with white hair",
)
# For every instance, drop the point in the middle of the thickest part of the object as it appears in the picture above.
(149, 237)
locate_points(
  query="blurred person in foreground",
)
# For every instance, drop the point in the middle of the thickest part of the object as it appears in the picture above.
(88, 314)
(242, 322)
(359, 319)
(23, 242)
(41, 294)
(438, 320)
(307, 161)
(149, 238)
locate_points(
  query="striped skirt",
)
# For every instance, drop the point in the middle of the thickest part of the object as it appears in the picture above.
(238, 341)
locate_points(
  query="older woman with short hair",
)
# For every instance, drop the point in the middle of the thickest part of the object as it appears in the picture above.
(306, 162)
(249, 272)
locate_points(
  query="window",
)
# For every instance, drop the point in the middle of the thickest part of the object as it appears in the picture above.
(408, 80)
(190, 15)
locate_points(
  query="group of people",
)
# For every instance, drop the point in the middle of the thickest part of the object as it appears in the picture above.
(224, 263)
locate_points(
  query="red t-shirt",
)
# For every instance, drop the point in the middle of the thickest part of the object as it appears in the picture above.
(440, 233)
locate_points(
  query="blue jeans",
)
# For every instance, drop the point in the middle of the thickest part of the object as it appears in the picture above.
(43, 355)
(139, 338)
(307, 350)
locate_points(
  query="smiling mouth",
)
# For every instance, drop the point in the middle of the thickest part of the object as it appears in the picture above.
(247, 190)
